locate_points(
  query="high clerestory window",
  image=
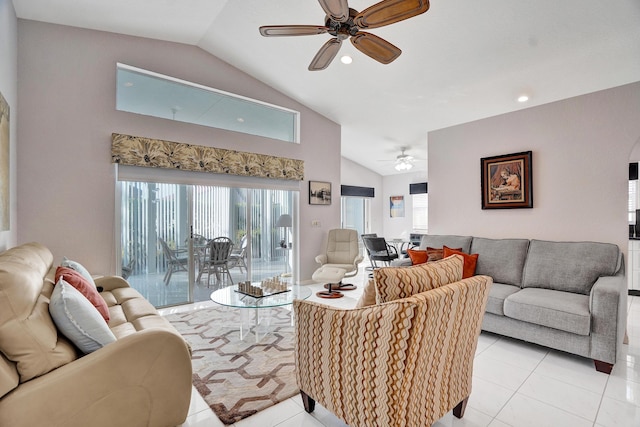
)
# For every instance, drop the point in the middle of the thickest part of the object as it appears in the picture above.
(152, 94)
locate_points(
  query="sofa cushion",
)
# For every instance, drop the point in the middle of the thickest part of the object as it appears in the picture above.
(470, 261)
(77, 318)
(439, 241)
(502, 259)
(131, 312)
(568, 266)
(28, 335)
(400, 282)
(565, 311)
(87, 289)
(418, 256)
(498, 293)
(75, 265)
(436, 254)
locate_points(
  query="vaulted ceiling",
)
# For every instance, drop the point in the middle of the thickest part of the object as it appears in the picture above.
(461, 60)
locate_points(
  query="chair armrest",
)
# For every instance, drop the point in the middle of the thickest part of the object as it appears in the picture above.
(141, 379)
(322, 259)
(109, 283)
(358, 260)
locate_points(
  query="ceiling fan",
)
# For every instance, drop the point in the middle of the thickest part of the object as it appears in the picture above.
(403, 161)
(342, 23)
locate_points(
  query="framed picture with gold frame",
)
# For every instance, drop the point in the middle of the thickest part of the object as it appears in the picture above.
(507, 181)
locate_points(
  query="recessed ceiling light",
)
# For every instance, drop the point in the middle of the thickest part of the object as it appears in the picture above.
(346, 59)
(128, 84)
(240, 120)
(523, 98)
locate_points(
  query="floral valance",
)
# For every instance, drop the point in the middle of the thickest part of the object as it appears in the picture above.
(155, 153)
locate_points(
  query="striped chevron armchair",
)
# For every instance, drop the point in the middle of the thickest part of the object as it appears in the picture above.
(405, 362)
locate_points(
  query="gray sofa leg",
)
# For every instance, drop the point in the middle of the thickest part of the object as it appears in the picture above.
(459, 409)
(308, 402)
(603, 366)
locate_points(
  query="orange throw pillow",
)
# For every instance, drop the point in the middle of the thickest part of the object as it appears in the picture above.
(78, 281)
(417, 256)
(470, 261)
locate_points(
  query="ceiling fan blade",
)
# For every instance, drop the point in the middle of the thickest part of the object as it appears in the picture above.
(375, 47)
(390, 11)
(291, 30)
(337, 10)
(325, 55)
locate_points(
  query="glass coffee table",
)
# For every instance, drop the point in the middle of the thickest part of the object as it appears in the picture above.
(230, 297)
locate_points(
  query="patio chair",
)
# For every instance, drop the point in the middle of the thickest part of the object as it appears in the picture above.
(217, 260)
(177, 260)
(238, 256)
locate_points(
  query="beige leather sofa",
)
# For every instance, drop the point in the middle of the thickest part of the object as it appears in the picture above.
(141, 379)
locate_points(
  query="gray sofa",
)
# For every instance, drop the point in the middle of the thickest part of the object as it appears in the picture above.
(570, 296)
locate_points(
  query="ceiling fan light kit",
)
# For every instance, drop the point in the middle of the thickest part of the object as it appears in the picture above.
(342, 23)
(403, 166)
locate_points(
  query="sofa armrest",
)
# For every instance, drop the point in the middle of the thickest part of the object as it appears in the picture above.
(142, 379)
(608, 307)
(109, 283)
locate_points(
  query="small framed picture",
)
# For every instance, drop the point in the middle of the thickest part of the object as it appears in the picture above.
(319, 193)
(396, 206)
(506, 181)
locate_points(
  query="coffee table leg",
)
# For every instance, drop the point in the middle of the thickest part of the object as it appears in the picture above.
(243, 314)
(255, 325)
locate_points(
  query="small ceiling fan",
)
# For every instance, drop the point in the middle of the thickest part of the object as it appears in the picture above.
(403, 161)
(342, 23)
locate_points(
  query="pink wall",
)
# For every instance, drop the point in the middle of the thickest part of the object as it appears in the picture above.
(581, 149)
(9, 89)
(67, 114)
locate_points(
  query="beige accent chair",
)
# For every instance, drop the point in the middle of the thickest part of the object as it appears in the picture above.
(401, 363)
(141, 379)
(342, 252)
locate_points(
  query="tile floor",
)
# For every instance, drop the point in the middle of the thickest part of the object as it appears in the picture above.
(514, 384)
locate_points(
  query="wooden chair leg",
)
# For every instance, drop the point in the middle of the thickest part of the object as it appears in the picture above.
(459, 409)
(603, 366)
(308, 402)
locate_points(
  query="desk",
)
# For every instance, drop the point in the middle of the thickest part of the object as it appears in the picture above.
(230, 298)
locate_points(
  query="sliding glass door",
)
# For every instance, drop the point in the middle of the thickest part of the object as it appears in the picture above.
(166, 230)
(155, 232)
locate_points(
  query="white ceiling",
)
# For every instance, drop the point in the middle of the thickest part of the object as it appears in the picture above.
(462, 60)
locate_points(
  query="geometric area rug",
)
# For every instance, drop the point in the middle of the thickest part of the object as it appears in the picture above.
(237, 378)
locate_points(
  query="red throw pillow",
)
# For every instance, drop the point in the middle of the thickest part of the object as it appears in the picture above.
(78, 281)
(470, 261)
(417, 256)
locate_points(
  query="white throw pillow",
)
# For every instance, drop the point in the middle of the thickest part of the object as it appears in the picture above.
(74, 265)
(77, 319)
